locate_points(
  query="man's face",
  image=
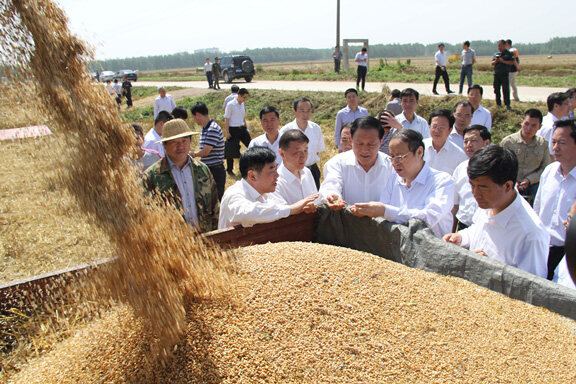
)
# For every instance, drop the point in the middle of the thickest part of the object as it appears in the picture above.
(475, 97)
(265, 180)
(463, 117)
(562, 110)
(345, 139)
(294, 157)
(365, 144)
(464, 46)
(530, 125)
(303, 111)
(242, 98)
(487, 193)
(439, 130)
(409, 104)
(563, 146)
(198, 119)
(177, 149)
(501, 46)
(352, 100)
(441, 48)
(409, 166)
(162, 92)
(473, 142)
(270, 123)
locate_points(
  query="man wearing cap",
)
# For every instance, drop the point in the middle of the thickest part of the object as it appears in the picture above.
(183, 181)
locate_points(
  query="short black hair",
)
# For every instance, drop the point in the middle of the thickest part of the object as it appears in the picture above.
(441, 45)
(364, 49)
(498, 163)
(465, 103)
(571, 91)
(199, 107)
(508, 41)
(467, 43)
(484, 132)
(410, 92)
(478, 87)
(396, 93)
(442, 112)
(367, 122)
(570, 123)
(381, 113)
(163, 116)
(268, 109)
(534, 113)
(256, 158)
(413, 138)
(138, 129)
(180, 113)
(290, 136)
(556, 98)
(243, 91)
(350, 90)
(301, 100)
(235, 89)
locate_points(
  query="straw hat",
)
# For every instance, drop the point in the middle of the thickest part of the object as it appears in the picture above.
(175, 129)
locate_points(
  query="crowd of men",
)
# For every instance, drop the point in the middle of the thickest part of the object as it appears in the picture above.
(509, 202)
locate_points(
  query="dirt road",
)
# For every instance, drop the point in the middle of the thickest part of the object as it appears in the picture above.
(198, 88)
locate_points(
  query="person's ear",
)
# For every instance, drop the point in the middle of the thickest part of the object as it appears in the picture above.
(509, 185)
(420, 152)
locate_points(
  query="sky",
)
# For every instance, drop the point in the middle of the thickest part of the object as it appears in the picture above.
(128, 28)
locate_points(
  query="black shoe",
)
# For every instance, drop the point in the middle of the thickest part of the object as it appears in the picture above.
(450, 92)
(508, 108)
(434, 92)
(230, 173)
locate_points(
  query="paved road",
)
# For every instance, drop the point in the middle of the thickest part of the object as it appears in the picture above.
(525, 93)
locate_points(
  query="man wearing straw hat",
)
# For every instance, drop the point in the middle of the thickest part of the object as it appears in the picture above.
(182, 181)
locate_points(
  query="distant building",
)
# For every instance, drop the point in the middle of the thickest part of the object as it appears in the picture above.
(207, 50)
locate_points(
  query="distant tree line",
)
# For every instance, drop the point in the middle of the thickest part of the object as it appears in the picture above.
(557, 45)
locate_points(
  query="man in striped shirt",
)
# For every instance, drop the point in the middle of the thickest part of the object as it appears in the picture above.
(211, 145)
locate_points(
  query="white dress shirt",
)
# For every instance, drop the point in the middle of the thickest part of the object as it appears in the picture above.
(547, 129)
(361, 56)
(482, 116)
(243, 205)
(418, 124)
(463, 198)
(446, 159)
(207, 67)
(151, 142)
(562, 275)
(347, 179)
(314, 133)
(293, 189)
(262, 141)
(235, 112)
(440, 58)
(515, 236)
(555, 196)
(456, 138)
(164, 104)
(429, 198)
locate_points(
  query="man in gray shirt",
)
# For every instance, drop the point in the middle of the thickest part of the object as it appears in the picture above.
(468, 60)
(337, 55)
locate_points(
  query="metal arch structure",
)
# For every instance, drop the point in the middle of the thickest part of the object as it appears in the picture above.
(345, 50)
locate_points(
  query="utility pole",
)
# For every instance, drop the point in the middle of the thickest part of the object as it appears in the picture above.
(337, 22)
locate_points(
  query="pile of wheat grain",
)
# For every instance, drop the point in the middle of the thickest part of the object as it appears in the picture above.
(303, 312)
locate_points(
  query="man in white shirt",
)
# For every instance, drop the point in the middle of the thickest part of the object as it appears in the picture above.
(295, 181)
(235, 129)
(440, 153)
(164, 102)
(558, 108)
(361, 60)
(359, 175)
(481, 115)
(417, 191)
(408, 119)
(270, 120)
(348, 114)
(462, 113)
(441, 59)
(506, 228)
(557, 191)
(234, 89)
(153, 137)
(208, 72)
(251, 200)
(302, 110)
(465, 206)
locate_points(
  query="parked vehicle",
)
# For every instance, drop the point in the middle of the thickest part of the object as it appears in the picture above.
(235, 67)
(126, 74)
(106, 76)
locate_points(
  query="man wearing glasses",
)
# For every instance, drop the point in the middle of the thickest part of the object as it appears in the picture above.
(462, 112)
(441, 154)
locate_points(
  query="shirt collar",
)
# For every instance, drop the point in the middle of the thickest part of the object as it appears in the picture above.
(251, 193)
(455, 132)
(209, 123)
(172, 165)
(502, 218)
(286, 174)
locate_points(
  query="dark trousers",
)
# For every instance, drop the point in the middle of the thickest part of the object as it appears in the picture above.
(444, 75)
(219, 174)
(129, 99)
(361, 76)
(502, 80)
(465, 73)
(555, 256)
(337, 65)
(232, 148)
(216, 81)
(315, 173)
(209, 77)
(530, 193)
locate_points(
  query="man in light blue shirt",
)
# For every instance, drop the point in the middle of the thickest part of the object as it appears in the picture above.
(348, 114)
(468, 60)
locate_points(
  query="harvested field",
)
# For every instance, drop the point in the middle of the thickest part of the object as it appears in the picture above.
(304, 312)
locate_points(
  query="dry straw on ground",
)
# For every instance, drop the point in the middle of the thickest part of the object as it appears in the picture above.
(303, 312)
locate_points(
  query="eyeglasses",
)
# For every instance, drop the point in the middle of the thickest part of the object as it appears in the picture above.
(398, 159)
(462, 115)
